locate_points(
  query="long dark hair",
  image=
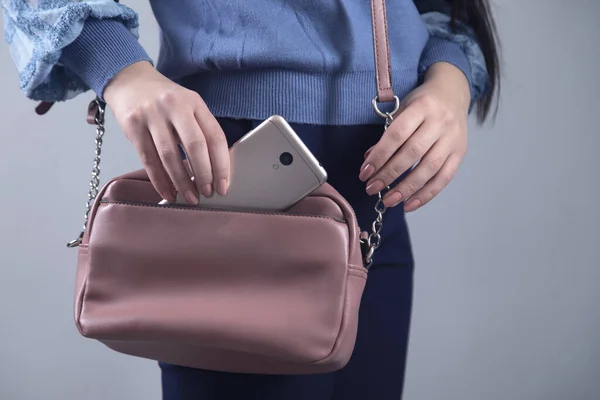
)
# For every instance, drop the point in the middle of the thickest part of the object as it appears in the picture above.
(477, 14)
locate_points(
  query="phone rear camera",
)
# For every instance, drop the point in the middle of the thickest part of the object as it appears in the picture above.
(286, 158)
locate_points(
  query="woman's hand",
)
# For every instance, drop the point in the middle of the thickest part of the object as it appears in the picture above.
(156, 115)
(431, 130)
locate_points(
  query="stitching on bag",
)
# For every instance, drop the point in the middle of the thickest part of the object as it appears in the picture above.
(376, 43)
(387, 45)
(357, 275)
(105, 203)
(357, 270)
(84, 249)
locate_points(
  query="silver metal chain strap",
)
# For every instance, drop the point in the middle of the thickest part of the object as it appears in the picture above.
(95, 181)
(372, 242)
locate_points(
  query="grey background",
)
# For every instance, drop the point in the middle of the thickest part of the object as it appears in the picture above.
(508, 257)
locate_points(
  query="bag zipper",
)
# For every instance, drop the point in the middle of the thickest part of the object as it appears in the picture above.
(212, 209)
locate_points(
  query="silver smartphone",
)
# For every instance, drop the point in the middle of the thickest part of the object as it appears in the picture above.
(271, 170)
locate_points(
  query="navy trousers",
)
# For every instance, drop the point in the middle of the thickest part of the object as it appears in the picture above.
(376, 369)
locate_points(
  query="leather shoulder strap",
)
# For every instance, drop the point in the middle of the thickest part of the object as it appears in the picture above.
(383, 67)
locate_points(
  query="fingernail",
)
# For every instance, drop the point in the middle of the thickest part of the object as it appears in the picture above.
(375, 187)
(168, 196)
(222, 187)
(207, 190)
(191, 197)
(366, 172)
(392, 199)
(412, 205)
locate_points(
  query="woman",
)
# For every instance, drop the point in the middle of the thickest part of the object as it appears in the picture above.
(226, 66)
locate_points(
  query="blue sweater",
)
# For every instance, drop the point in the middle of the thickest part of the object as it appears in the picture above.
(308, 60)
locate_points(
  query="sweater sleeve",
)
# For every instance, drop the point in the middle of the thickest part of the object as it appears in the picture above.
(459, 46)
(103, 48)
(62, 48)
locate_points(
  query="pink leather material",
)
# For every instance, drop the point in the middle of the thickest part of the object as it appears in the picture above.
(221, 290)
(232, 361)
(383, 67)
(43, 107)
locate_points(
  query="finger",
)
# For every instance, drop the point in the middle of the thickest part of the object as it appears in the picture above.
(217, 148)
(166, 147)
(435, 185)
(426, 169)
(408, 155)
(135, 129)
(195, 147)
(402, 127)
(154, 168)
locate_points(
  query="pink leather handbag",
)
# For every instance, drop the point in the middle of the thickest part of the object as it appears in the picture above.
(252, 292)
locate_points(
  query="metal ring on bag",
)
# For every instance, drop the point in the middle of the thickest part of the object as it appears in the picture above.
(387, 115)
